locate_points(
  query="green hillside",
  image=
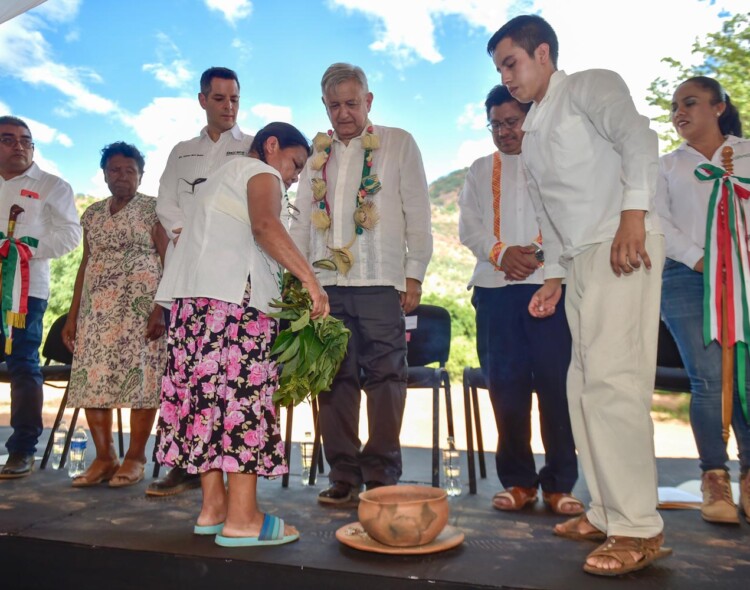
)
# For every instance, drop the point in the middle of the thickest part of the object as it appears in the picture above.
(450, 270)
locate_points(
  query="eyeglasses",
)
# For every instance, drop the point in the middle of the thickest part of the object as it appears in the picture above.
(508, 124)
(12, 142)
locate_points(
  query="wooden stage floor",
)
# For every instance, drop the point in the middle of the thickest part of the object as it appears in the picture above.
(54, 536)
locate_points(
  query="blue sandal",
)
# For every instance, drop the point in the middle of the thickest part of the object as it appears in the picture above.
(209, 529)
(271, 533)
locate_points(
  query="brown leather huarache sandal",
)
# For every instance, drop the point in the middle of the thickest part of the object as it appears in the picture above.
(563, 503)
(514, 498)
(569, 530)
(621, 548)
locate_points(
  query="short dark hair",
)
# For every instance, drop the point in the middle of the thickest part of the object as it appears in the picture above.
(528, 31)
(217, 72)
(729, 121)
(120, 148)
(287, 135)
(500, 95)
(15, 121)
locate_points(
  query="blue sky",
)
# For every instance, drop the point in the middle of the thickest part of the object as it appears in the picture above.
(85, 73)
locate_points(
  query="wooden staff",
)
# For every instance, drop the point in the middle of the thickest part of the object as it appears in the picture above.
(727, 351)
(15, 211)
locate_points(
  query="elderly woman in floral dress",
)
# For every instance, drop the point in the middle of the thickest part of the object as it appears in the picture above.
(217, 412)
(113, 328)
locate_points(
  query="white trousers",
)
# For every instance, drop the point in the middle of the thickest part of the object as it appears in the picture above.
(614, 322)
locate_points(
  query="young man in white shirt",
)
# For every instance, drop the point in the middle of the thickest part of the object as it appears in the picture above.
(49, 216)
(592, 164)
(189, 165)
(364, 208)
(518, 353)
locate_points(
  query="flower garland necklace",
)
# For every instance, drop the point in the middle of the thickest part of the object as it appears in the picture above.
(366, 215)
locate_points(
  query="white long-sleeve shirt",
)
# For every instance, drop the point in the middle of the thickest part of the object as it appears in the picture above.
(519, 225)
(589, 156)
(189, 160)
(682, 199)
(49, 215)
(400, 245)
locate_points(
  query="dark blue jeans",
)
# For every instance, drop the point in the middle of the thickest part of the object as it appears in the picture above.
(682, 311)
(26, 394)
(520, 354)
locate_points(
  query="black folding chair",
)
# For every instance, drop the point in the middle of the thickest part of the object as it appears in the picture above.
(429, 342)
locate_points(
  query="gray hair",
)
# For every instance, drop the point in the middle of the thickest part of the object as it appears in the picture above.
(341, 72)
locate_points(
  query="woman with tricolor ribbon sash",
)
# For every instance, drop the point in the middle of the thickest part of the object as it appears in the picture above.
(703, 202)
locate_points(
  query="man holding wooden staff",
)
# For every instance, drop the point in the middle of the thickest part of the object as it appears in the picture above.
(592, 161)
(47, 228)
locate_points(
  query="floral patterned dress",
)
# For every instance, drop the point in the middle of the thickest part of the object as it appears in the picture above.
(113, 365)
(217, 410)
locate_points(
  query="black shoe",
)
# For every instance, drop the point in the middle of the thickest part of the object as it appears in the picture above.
(340, 492)
(175, 482)
(371, 485)
(17, 465)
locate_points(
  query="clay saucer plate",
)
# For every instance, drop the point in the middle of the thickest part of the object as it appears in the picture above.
(354, 536)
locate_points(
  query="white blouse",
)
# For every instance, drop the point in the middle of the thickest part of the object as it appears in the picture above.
(682, 199)
(216, 251)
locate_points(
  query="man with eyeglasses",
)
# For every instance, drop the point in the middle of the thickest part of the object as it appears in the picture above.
(49, 220)
(189, 165)
(518, 354)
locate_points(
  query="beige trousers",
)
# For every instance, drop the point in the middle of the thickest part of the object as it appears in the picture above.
(614, 322)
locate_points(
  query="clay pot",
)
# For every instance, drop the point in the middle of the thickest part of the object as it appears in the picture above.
(403, 516)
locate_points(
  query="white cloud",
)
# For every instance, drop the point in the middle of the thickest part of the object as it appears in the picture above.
(472, 149)
(41, 132)
(406, 30)
(171, 69)
(271, 112)
(159, 126)
(172, 75)
(26, 55)
(473, 117)
(233, 10)
(59, 10)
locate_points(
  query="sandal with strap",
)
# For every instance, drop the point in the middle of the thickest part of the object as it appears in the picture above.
(514, 498)
(621, 550)
(98, 472)
(130, 473)
(563, 503)
(271, 533)
(570, 530)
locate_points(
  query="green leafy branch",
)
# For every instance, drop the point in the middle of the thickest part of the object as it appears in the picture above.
(311, 350)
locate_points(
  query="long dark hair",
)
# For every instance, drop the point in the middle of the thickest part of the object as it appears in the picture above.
(729, 121)
(287, 135)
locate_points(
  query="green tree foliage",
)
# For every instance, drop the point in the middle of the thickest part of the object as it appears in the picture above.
(63, 274)
(725, 56)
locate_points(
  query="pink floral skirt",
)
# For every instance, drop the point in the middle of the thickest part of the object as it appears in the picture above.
(216, 397)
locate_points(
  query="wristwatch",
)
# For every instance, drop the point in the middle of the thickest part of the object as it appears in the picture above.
(538, 253)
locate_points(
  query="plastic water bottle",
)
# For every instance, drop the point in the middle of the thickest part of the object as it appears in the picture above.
(451, 469)
(58, 444)
(306, 452)
(78, 452)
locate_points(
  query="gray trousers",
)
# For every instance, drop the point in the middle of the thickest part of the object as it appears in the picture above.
(376, 362)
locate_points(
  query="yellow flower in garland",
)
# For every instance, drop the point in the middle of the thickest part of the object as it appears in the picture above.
(319, 188)
(321, 141)
(319, 160)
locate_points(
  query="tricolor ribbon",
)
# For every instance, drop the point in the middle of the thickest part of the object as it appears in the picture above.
(15, 254)
(727, 251)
